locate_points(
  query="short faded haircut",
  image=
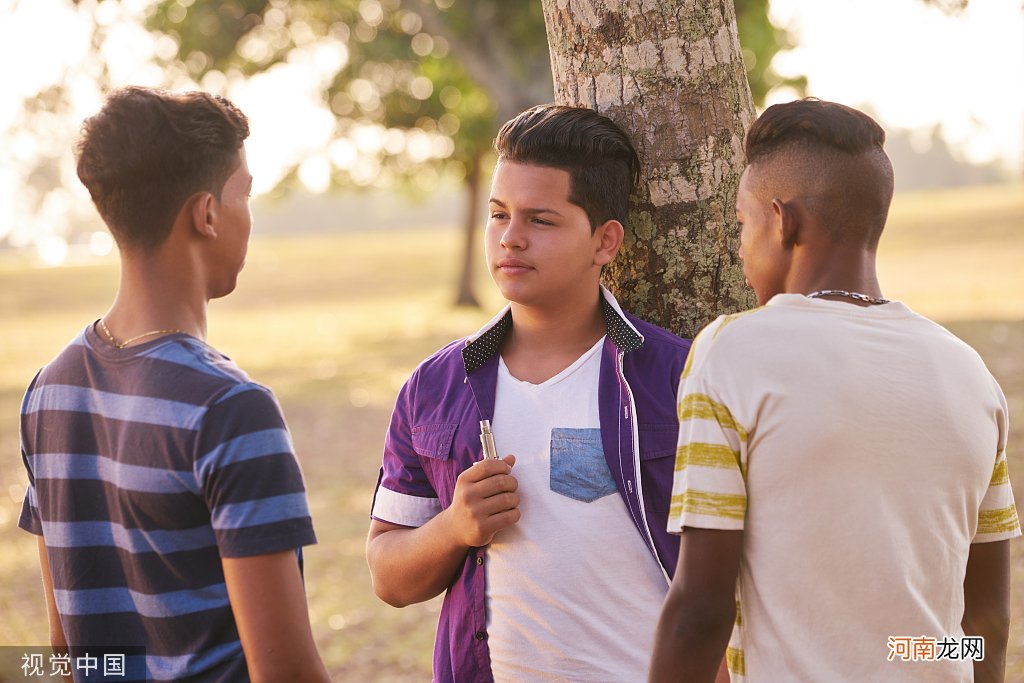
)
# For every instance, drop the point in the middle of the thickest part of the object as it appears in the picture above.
(830, 157)
(599, 157)
(147, 151)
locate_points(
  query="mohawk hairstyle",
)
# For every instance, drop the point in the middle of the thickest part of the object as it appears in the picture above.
(831, 157)
(815, 122)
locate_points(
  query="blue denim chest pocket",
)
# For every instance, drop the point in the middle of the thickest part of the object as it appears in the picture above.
(578, 467)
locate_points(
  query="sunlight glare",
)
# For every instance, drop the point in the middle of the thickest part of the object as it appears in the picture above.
(52, 250)
(315, 174)
(343, 153)
(916, 66)
(101, 243)
(368, 139)
(286, 118)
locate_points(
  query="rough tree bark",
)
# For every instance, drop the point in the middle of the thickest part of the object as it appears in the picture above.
(670, 72)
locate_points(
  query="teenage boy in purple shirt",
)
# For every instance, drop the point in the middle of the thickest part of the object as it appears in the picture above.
(554, 561)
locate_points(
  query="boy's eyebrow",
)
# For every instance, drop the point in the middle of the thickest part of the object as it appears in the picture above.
(500, 203)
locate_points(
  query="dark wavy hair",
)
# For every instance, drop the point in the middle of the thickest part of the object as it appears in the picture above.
(602, 164)
(147, 151)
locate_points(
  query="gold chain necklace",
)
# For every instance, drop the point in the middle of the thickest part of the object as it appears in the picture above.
(126, 342)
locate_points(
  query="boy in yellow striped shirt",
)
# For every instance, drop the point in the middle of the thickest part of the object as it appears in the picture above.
(841, 484)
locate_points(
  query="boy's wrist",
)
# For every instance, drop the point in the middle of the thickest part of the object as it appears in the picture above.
(450, 532)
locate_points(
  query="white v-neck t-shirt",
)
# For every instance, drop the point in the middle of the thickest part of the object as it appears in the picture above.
(573, 593)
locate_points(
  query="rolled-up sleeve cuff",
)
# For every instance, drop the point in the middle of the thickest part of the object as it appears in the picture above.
(403, 509)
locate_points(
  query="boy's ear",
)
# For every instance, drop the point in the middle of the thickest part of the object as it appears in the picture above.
(787, 221)
(203, 213)
(609, 236)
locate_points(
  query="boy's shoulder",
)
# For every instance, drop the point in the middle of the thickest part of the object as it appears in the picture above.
(740, 324)
(445, 362)
(179, 367)
(465, 354)
(656, 337)
(449, 353)
(662, 353)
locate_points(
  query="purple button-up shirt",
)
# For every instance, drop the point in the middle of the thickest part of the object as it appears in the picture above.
(434, 436)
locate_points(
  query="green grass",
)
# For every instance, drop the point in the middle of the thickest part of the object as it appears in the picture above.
(334, 324)
(957, 254)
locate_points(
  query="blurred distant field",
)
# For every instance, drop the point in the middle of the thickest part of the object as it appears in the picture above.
(334, 324)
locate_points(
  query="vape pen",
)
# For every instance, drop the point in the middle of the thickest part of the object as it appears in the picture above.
(487, 439)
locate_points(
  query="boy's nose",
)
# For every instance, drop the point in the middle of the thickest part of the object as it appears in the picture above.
(514, 236)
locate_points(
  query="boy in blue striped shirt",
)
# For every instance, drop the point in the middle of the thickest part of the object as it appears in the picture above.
(169, 505)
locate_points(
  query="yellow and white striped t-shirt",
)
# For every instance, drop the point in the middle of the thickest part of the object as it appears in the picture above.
(861, 450)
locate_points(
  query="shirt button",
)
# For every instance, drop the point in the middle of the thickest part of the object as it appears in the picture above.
(479, 560)
(480, 635)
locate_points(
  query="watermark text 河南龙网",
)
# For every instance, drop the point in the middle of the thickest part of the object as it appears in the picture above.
(928, 649)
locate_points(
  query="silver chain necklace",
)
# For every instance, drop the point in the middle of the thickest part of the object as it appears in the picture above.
(849, 295)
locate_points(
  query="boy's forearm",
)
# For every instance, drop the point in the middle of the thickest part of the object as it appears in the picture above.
(994, 627)
(987, 606)
(57, 639)
(687, 648)
(268, 602)
(412, 565)
(992, 669)
(700, 608)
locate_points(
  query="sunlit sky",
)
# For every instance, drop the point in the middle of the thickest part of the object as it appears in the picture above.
(912, 64)
(917, 66)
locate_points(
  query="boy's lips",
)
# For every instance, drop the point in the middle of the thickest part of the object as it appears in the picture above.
(512, 265)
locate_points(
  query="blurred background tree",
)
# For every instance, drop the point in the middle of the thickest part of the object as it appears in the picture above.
(412, 91)
(435, 77)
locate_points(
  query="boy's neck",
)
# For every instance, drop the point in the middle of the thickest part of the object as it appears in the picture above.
(157, 294)
(543, 342)
(851, 270)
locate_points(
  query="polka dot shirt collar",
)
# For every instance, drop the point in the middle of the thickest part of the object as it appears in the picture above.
(485, 344)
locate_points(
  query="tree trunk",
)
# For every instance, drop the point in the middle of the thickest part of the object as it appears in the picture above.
(465, 295)
(671, 74)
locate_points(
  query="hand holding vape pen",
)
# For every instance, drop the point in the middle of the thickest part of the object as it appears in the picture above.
(487, 439)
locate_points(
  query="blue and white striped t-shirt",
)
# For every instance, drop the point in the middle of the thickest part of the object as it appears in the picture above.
(146, 466)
